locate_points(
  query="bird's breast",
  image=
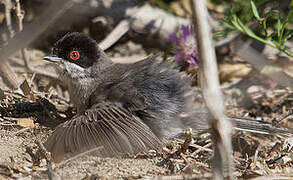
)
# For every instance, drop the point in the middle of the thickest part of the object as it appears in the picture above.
(80, 91)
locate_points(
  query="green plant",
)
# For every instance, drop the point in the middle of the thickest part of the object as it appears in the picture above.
(272, 28)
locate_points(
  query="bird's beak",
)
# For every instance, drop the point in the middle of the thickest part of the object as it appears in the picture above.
(52, 58)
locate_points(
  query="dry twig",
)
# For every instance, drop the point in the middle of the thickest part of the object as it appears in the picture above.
(212, 94)
(116, 34)
(8, 7)
(188, 140)
(20, 15)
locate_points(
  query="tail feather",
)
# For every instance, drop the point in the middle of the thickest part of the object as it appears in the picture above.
(259, 126)
(199, 121)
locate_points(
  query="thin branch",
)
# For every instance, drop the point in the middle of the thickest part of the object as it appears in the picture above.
(8, 7)
(20, 15)
(25, 59)
(212, 94)
(116, 34)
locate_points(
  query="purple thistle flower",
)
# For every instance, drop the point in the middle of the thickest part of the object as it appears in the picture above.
(185, 45)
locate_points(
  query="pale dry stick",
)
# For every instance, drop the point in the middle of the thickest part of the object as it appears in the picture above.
(32, 79)
(255, 156)
(202, 148)
(22, 130)
(7, 124)
(116, 34)
(8, 7)
(212, 94)
(25, 59)
(19, 14)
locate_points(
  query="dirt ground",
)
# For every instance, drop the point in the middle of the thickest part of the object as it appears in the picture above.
(28, 120)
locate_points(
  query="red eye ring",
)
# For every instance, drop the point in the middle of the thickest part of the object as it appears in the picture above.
(74, 55)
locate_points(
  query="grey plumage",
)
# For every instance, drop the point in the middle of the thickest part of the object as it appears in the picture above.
(150, 93)
(126, 108)
(150, 89)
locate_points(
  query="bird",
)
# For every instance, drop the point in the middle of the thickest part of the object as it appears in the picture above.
(123, 108)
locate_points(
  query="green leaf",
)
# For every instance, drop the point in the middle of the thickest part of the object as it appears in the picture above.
(163, 5)
(235, 21)
(288, 35)
(254, 10)
(279, 28)
(245, 29)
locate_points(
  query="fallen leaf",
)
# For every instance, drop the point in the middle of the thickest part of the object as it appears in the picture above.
(25, 122)
(25, 88)
(228, 72)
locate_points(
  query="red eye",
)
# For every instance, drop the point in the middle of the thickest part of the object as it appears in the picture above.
(74, 55)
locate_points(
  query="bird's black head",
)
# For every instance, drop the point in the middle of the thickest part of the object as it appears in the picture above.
(76, 48)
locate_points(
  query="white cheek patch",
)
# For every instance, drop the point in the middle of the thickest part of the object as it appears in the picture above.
(77, 79)
(70, 70)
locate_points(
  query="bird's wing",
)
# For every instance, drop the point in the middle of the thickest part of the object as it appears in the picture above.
(105, 125)
(131, 89)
